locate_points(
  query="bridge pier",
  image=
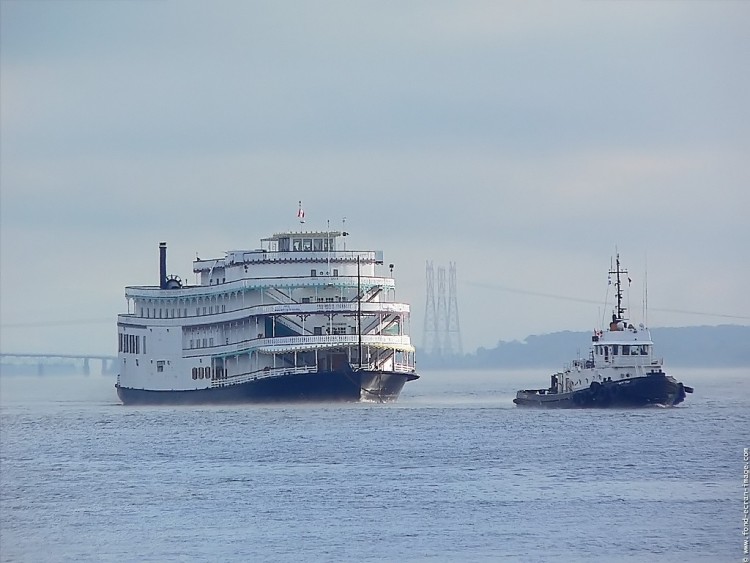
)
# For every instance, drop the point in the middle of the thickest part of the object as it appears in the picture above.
(58, 363)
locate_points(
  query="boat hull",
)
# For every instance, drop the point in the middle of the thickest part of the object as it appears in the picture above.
(654, 389)
(324, 386)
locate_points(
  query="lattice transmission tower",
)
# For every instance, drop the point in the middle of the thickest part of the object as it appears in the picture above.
(431, 336)
(442, 332)
(453, 328)
(442, 318)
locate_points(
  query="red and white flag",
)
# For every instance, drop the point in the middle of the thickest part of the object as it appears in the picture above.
(301, 213)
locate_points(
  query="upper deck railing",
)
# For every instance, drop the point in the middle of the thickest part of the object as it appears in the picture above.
(280, 345)
(236, 257)
(155, 292)
(276, 309)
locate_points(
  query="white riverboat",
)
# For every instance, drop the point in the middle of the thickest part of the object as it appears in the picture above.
(621, 370)
(298, 319)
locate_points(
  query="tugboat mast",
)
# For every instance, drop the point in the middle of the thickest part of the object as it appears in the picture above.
(618, 285)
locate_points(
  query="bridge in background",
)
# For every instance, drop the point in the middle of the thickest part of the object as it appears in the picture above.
(57, 363)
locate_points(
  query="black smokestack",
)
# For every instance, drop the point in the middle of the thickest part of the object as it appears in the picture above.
(163, 265)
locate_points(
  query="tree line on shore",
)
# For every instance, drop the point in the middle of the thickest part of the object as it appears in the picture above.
(698, 346)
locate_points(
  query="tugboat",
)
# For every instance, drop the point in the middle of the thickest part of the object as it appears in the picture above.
(621, 370)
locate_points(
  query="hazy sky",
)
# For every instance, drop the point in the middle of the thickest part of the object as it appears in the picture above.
(523, 141)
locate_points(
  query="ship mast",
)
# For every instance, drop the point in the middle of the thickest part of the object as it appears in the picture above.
(618, 286)
(359, 314)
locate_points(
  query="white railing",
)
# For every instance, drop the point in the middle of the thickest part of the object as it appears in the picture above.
(298, 370)
(624, 361)
(155, 292)
(261, 374)
(239, 257)
(291, 343)
(323, 307)
(271, 345)
(403, 368)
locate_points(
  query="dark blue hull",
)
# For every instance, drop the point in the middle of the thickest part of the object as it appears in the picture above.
(654, 389)
(325, 386)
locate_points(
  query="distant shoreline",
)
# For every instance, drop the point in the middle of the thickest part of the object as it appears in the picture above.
(702, 346)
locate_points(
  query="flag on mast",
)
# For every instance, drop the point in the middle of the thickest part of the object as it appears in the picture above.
(301, 213)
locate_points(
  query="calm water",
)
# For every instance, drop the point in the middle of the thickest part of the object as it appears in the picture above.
(452, 472)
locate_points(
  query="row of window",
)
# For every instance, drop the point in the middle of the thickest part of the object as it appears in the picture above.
(623, 350)
(131, 343)
(176, 313)
(196, 343)
(307, 244)
(209, 373)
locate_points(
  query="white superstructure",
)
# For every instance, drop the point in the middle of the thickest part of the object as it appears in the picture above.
(298, 304)
(620, 353)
